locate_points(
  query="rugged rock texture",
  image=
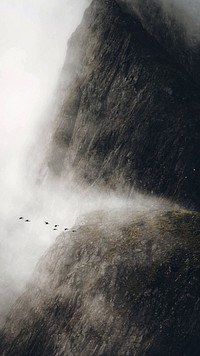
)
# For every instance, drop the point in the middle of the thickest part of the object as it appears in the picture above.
(130, 115)
(172, 24)
(122, 284)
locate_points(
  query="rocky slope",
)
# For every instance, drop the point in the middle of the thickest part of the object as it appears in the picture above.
(121, 284)
(131, 116)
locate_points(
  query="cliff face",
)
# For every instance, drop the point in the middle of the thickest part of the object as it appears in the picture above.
(131, 116)
(174, 26)
(122, 284)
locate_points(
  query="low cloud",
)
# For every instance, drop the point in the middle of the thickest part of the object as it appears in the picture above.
(184, 12)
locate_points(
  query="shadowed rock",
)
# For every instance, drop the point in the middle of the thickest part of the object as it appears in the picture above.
(122, 285)
(130, 113)
(174, 26)
(125, 283)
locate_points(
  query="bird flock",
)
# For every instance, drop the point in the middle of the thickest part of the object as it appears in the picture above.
(55, 227)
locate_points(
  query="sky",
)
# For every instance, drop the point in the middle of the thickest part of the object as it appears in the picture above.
(33, 44)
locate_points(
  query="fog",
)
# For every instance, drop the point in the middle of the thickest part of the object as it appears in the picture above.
(33, 44)
(185, 12)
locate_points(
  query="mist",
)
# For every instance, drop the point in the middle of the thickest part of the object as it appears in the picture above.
(188, 14)
(184, 12)
(33, 45)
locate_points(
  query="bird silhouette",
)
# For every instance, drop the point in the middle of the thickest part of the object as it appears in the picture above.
(56, 225)
(27, 220)
(55, 229)
(46, 222)
(66, 229)
(21, 217)
(73, 230)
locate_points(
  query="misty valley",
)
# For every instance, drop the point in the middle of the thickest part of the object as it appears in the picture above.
(100, 173)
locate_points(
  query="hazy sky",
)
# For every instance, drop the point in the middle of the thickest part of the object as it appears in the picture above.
(33, 43)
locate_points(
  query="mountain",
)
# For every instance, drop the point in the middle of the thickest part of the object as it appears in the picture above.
(175, 25)
(131, 116)
(121, 282)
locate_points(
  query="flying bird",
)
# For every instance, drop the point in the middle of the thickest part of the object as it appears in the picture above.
(66, 229)
(21, 217)
(55, 229)
(56, 225)
(27, 220)
(46, 222)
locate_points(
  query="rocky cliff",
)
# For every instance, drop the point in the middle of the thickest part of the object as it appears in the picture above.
(131, 116)
(121, 284)
(175, 25)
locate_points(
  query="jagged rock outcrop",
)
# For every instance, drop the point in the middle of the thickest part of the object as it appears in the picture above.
(122, 284)
(130, 113)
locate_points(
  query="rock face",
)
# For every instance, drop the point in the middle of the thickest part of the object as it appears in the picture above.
(174, 26)
(122, 284)
(131, 115)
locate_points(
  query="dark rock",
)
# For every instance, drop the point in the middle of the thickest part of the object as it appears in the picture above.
(130, 114)
(173, 26)
(124, 284)
(120, 283)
